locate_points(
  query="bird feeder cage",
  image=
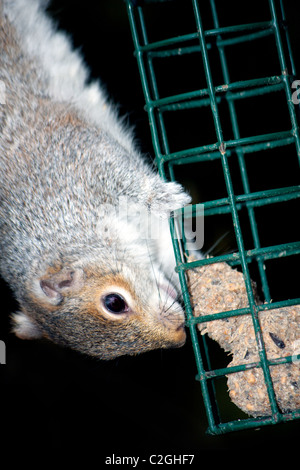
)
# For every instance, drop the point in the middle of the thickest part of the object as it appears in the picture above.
(208, 86)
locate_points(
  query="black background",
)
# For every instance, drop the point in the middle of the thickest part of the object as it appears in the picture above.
(57, 401)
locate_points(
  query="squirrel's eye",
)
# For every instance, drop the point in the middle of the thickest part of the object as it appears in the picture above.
(115, 303)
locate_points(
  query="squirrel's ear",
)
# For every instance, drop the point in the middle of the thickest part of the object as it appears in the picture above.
(53, 286)
(24, 327)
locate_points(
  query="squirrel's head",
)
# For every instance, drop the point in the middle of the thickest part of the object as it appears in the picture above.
(102, 313)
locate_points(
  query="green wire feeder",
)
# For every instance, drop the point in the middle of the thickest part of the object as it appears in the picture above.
(244, 314)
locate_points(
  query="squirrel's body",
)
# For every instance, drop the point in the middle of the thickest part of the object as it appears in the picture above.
(66, 162)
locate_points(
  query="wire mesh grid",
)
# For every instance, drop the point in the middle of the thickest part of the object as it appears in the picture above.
(210, 98)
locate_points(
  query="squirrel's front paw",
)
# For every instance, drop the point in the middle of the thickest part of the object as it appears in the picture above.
(165, 197)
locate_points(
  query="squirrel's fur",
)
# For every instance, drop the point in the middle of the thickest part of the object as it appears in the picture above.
(66, 161)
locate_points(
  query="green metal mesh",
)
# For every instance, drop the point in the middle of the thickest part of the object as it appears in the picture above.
(210, 97)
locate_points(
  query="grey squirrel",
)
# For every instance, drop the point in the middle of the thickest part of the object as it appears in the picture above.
(83, 275)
